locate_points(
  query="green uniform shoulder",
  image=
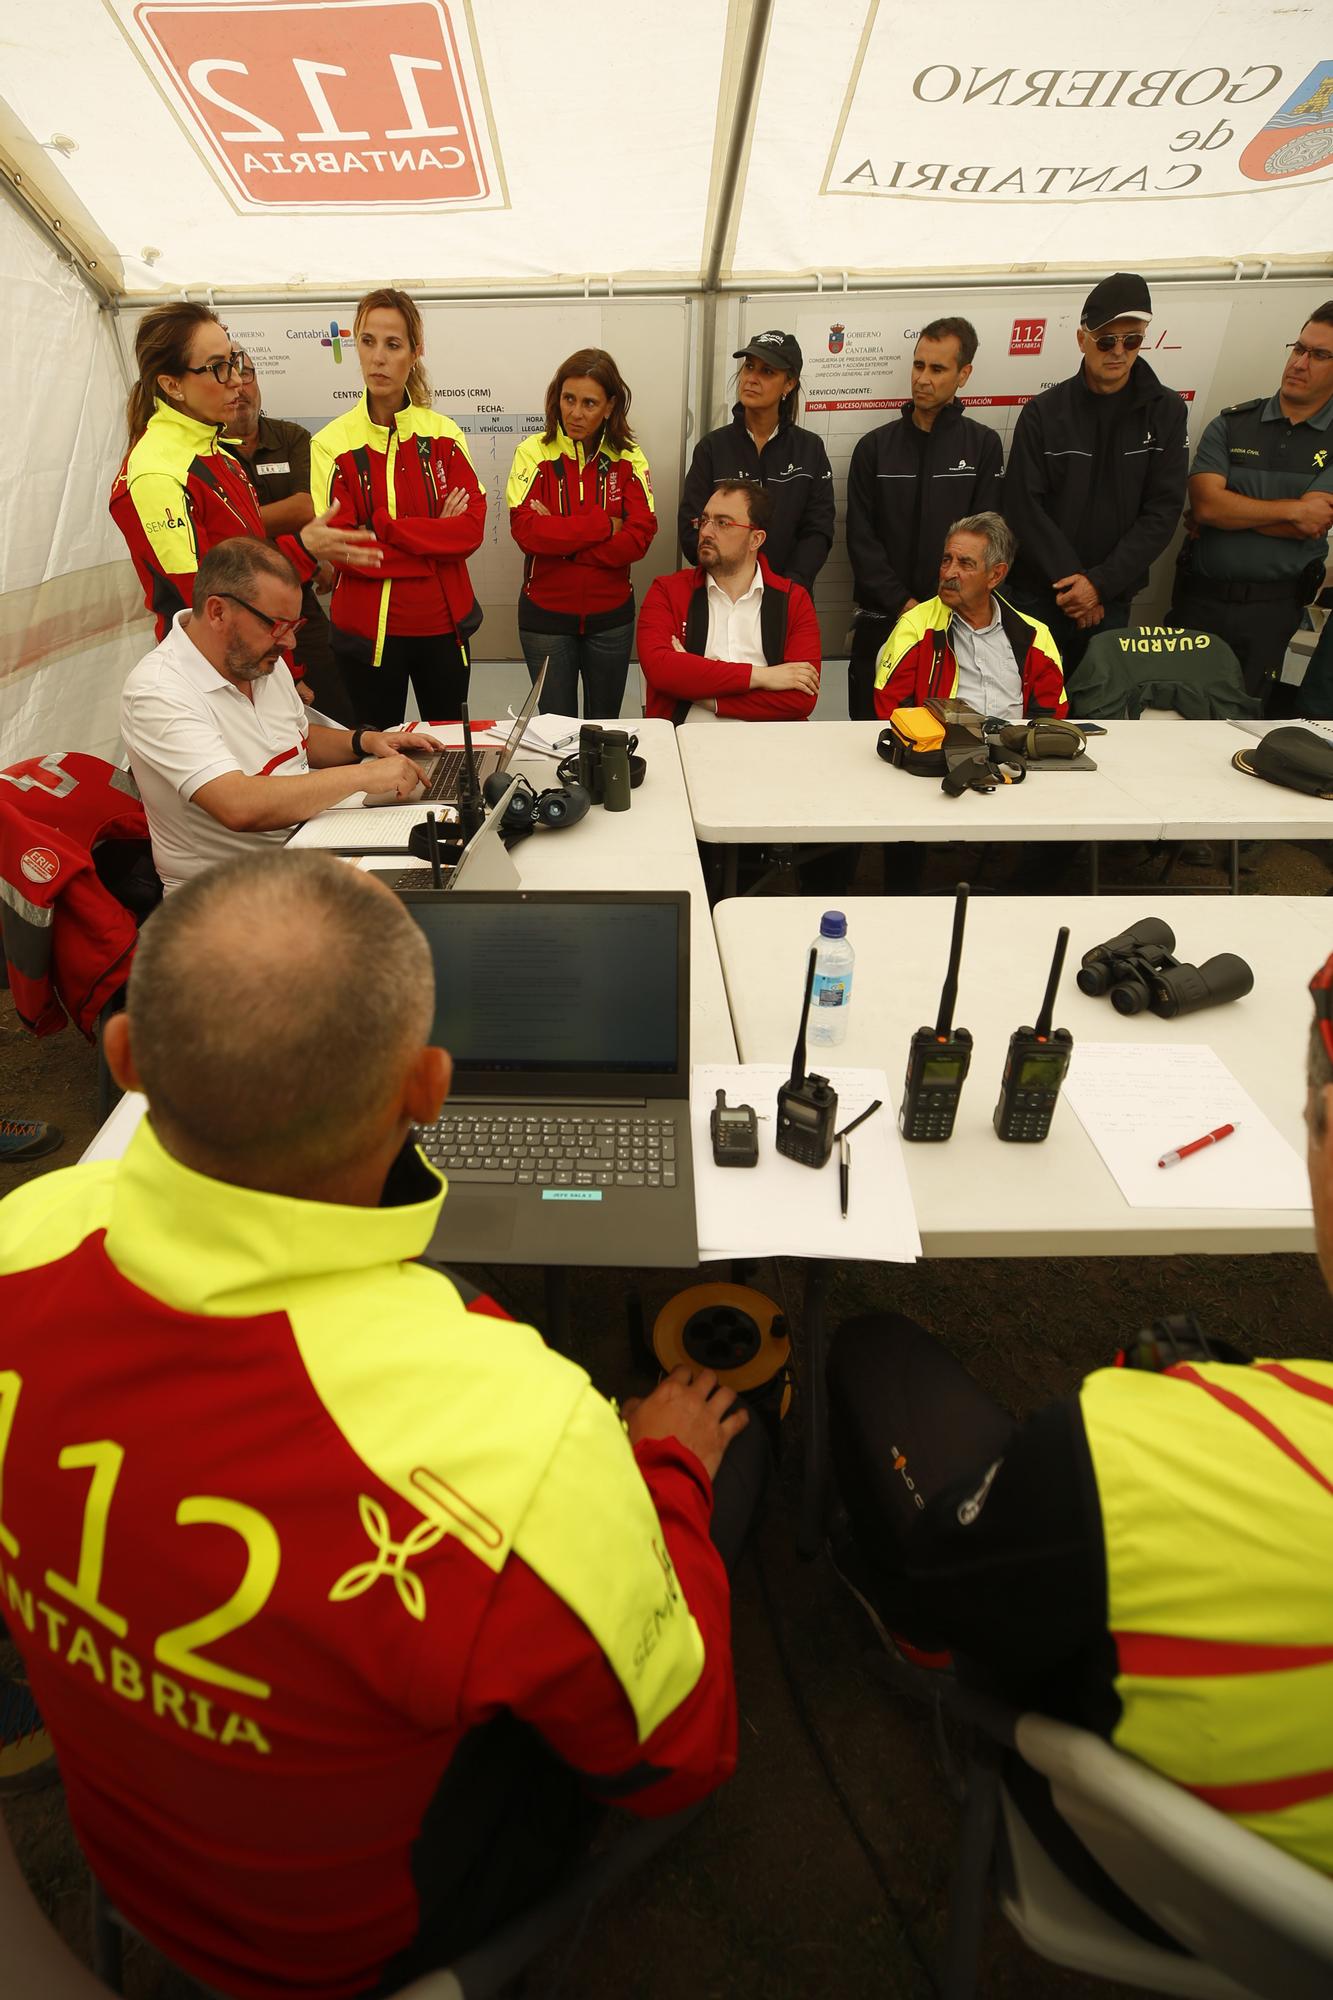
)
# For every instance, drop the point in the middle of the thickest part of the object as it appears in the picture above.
(1240, 409)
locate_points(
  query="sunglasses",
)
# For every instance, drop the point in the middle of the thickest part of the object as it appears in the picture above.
(1106, 343)
(237, 362)
(278, 628)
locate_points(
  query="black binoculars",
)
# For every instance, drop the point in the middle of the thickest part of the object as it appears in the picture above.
(1139, 969)
(604, 765)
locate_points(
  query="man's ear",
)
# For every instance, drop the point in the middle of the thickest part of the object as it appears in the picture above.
(426, 1085)
(963, 373)
(118, 1052)
(998, 575)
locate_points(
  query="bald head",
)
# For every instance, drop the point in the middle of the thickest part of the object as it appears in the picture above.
(275, 1005)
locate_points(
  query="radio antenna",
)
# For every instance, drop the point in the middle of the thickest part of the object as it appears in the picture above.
(798, 1059)
(949, 993)
(1047, 1013)
(471, 807)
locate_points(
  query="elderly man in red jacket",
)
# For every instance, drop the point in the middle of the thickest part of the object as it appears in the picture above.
(730, 638)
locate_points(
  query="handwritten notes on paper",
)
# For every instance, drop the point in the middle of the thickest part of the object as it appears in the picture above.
(1138, 1100)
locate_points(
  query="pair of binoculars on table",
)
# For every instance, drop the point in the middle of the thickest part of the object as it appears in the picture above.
(605, 766)
(1139, 969)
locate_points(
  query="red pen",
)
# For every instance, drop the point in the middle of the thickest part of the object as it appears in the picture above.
(1196, 1145)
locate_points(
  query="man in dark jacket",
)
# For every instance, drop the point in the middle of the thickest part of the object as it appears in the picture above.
(764, 443)
(1096, 478)
(909, 480)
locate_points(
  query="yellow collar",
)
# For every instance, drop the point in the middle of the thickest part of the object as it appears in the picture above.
(201, 1245)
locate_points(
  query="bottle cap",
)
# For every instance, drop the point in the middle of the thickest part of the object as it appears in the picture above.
(833, 924)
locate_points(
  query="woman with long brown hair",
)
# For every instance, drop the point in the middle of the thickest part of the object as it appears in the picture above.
(581, 509)
(401, 470)
(179, 490)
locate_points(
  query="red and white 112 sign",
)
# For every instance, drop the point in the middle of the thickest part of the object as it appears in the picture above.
(325, 103)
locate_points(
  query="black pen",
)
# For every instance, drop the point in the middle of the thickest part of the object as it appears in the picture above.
(845, 1168)
(869, 1112)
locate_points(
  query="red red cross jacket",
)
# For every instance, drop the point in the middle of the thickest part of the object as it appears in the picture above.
(676, 607)
(68, 942)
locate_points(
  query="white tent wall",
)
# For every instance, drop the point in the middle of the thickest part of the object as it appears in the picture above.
(71, 616)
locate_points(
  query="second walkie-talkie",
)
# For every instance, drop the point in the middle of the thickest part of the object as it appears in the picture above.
(471, 804)
(938, 1058)
(807, 1105)
(1035, 1067)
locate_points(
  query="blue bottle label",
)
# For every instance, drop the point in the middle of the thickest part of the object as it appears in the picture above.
(832, 989)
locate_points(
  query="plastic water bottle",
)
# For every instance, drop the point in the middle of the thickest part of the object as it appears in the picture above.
(831, 997)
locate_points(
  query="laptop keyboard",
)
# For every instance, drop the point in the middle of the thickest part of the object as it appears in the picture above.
(421, 878)
(545, 1149)
(446, 775)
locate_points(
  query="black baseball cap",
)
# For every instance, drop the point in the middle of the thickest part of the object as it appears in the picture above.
(1124, 295)
(1298, 758)
(780, 350)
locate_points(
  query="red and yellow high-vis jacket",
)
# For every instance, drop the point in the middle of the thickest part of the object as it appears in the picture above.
(1216, 1491)
(917, 660)
(280, 1523)
(395, 479)
(176, 494)
(599, 520)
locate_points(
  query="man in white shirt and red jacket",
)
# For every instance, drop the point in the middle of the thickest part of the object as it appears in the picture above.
(730, 638)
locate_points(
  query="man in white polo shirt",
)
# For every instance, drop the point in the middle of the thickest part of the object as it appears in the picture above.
(218, 738)
(730, 637)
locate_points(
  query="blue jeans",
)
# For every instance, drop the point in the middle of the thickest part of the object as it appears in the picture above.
(600, 658)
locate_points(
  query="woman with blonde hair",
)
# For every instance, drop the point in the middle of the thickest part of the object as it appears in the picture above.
(179, 490)
(581, 509)
(396, 467)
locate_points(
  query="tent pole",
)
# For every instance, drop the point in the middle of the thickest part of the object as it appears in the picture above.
(728, 193)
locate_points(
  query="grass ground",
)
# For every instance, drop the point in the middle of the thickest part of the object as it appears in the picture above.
(823, 1868)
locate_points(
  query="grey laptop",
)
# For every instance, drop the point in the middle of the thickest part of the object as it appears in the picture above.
(566, 1136)
(483, 864)
(442, 771)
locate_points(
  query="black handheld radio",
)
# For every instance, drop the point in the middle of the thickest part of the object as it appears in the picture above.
(938, 1058)
(1035, 1067)
(734, 1131)
(807, 1105)
(471, 804)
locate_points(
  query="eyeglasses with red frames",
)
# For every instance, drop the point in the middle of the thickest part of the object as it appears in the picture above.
(1321, 992)
(1106, 343)
(279, 629)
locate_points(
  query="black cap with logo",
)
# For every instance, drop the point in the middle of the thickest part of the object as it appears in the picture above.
(1124, 295)
(780, 350)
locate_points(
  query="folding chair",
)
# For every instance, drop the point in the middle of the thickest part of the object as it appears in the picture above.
(1253, 1923)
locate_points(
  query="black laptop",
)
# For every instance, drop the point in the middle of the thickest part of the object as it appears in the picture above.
(566, 1136)
(444, 773)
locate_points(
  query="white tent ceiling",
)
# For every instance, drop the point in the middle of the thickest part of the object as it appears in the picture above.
(265, 145)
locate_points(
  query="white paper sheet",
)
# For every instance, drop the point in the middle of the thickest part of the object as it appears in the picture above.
(374, 827)
(782, 1209)
(1139, 1100)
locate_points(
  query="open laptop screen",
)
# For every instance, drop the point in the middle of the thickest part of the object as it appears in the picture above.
(537, 988)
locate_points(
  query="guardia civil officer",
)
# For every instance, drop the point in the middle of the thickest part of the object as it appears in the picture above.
(764, 443)
(1095, 482)
(910, 479)
(1261, 501)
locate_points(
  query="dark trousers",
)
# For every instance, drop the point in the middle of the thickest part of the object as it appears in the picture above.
(1071, 642)
(510, 1823)
(907, 1421)
(436, 665)
(314, 655)
(1258, 634)
(599, 659)
(868, 636)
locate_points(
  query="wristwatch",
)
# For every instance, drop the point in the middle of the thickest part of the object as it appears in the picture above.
(357, 734)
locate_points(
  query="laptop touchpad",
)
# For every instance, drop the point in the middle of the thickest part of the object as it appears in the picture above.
(475, 1224)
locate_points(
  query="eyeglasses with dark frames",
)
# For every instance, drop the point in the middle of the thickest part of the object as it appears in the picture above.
(237, 362)
(1298, 350)
(278, 628)
(718, 521)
